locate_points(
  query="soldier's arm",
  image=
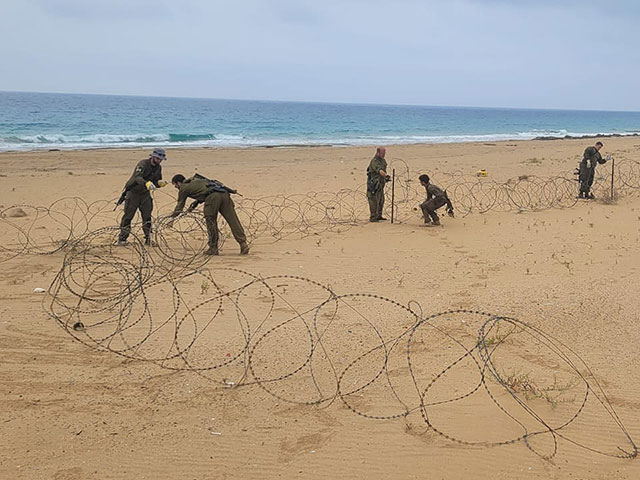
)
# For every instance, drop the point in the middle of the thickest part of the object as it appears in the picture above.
(449, 204)
(157, 177)
(193, 205)
(182, 199)
(136, 177)
(379, 167)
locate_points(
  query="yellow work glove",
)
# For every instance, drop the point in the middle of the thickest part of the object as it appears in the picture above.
(162, 183)
(150, 186)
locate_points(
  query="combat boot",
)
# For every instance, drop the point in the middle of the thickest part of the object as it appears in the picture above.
(212, 251)
(244, 248)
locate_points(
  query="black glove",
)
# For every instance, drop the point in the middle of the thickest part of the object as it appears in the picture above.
(387, 178)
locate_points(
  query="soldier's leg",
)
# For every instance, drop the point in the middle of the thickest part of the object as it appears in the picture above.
(437, 203)
(213, 234)
(431, 206)
(131, 203)
(210, 210)
(588, 193)
(425, 212)
(146, 207)
(373, 206)
(228, 211)
(380, 206)
(583, 177)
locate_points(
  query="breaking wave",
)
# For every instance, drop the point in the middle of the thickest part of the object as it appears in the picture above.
(103, 140)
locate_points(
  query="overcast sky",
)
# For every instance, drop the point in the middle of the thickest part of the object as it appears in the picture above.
(520, 53)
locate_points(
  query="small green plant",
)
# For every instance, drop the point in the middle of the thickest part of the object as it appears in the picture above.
(498, 336)
(204, 287)
(554, 394)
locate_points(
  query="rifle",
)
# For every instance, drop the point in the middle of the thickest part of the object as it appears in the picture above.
(215, 185)
(121, 199)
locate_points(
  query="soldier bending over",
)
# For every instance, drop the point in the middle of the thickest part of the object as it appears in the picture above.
(216, 198)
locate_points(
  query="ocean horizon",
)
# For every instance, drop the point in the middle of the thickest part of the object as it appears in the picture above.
(45, 121)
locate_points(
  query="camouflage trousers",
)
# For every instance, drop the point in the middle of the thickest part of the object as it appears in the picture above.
(222, 203)
(429, 208)
(376, 203)
(133, 202)
(586, 180)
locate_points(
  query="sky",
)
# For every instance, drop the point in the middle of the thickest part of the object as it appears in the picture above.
(582, 54)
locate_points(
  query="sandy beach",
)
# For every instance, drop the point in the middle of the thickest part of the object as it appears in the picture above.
(323, 353)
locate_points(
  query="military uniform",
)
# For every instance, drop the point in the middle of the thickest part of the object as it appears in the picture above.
(200, 189)
(436, 198)
(375, 187)
(138, 198)
(587, 170)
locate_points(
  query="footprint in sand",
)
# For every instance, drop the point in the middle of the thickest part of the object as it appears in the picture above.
(289, 449)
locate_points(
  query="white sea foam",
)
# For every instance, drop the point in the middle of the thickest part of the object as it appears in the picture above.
(74, 142)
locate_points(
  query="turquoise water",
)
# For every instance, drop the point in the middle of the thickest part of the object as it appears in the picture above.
(31, 121)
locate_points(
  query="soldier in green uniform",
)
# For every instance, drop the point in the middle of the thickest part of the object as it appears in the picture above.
(376, 179)
(587, 169)
(216, 198)
(436, 198)
(136, 195)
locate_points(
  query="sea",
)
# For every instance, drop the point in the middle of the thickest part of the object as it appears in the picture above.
(48, 121)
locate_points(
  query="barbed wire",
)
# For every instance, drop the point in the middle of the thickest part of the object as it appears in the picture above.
(46, 230)
(304, 343)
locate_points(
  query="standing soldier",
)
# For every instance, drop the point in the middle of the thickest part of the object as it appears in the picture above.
(436, 198)
(216, 198)
(587, 169)
(376, 178)
(147, 176)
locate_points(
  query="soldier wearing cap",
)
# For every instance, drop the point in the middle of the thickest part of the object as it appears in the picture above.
(146, 177)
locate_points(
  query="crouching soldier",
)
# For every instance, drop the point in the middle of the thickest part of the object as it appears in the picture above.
(436, 198)
(216, 198)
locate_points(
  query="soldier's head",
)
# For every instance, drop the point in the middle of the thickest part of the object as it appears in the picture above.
(598, 145)
(177, 180)
(424, 180)
(381, 152)
(157, 156)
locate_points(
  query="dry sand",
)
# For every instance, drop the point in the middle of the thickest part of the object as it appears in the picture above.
(71, 412)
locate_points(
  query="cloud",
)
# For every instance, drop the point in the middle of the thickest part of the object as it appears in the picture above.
(473, 52)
